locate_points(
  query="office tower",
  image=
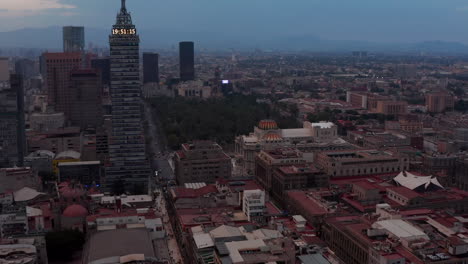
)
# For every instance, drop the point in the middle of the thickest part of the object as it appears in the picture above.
(103, 66)
(4, 71)
(187, 61)
(25, 68)
(128, 164)
(12, 121)
(438, 102)
(86, 107)
(58, 68)
(150, 67)
(73, 39)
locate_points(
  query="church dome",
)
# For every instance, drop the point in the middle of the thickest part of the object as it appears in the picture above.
(272, 137)
(268, 125)
(75, 210)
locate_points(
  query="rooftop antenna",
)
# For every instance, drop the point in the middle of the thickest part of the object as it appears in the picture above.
(123, 8)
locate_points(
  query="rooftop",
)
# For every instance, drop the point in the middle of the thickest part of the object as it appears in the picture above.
(124, 242)
(307, 203)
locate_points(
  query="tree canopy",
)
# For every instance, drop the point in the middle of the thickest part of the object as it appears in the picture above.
(219, 119)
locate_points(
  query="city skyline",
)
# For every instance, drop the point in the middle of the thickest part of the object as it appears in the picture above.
(395, 21)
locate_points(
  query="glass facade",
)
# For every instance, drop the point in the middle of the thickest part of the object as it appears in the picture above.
(73, 39)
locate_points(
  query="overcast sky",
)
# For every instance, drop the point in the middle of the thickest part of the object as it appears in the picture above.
(374, 20)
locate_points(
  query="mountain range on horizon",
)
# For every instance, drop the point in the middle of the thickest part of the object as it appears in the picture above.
(50, 38)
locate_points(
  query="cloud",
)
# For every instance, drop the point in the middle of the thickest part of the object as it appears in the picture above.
(27, 6)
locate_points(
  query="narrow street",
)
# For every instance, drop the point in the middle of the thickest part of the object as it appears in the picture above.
(159, 162)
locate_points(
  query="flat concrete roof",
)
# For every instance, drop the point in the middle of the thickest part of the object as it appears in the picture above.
(120, 242)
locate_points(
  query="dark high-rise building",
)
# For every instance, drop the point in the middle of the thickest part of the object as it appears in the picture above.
(86, 107)
(12, 130)
(103, 66)
(58, 67)
(128, 165)
(187, 61)
(25, 68)
(73, 39)
(150, 67)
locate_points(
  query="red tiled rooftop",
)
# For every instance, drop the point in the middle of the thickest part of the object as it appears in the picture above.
(299, 169)
(272, 209)
(403, 191)
(181, 192)
(415, 212)
(393, 256)
(305, 202)
(112, 213)
(366, 185)
(246, 185)
(410, 258)
(313, 240)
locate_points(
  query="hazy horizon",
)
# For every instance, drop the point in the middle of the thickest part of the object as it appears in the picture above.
(396, 21)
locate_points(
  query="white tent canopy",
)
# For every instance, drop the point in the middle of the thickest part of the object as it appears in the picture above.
(420, 183)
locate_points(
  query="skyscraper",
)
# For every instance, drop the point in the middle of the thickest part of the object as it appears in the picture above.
(86, 107)
(12, 122)
(103, 66)
(128, 164)
(150, 67)
(58, 68)
(25, 68)
(187, 61)
(73, 39)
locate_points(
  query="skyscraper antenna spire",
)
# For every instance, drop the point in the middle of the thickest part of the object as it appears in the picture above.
(123, 5)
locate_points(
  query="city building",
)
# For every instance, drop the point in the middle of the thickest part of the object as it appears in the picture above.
(12, 124)
(24, 250)
(73, 39)
(103, 67)
(127, 155)
(187, 61)
(267, 161)
(150, 67)
(59, 66)
(56, 141)
(197, 89)
(86, 107)
(377, 140)
(201, 161)
(40, 160)
(438, 102)
(296, 177)
(357, 99)
(376, 103)
(232, 244)
(410, 123)
(253, 205)
(42, 122)
(128, 245)
(388, 107)
(361, 162)
(311, 139)
(14, 179)
(4, 72)
(461, 170)
(26, 68)
(88, 173)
